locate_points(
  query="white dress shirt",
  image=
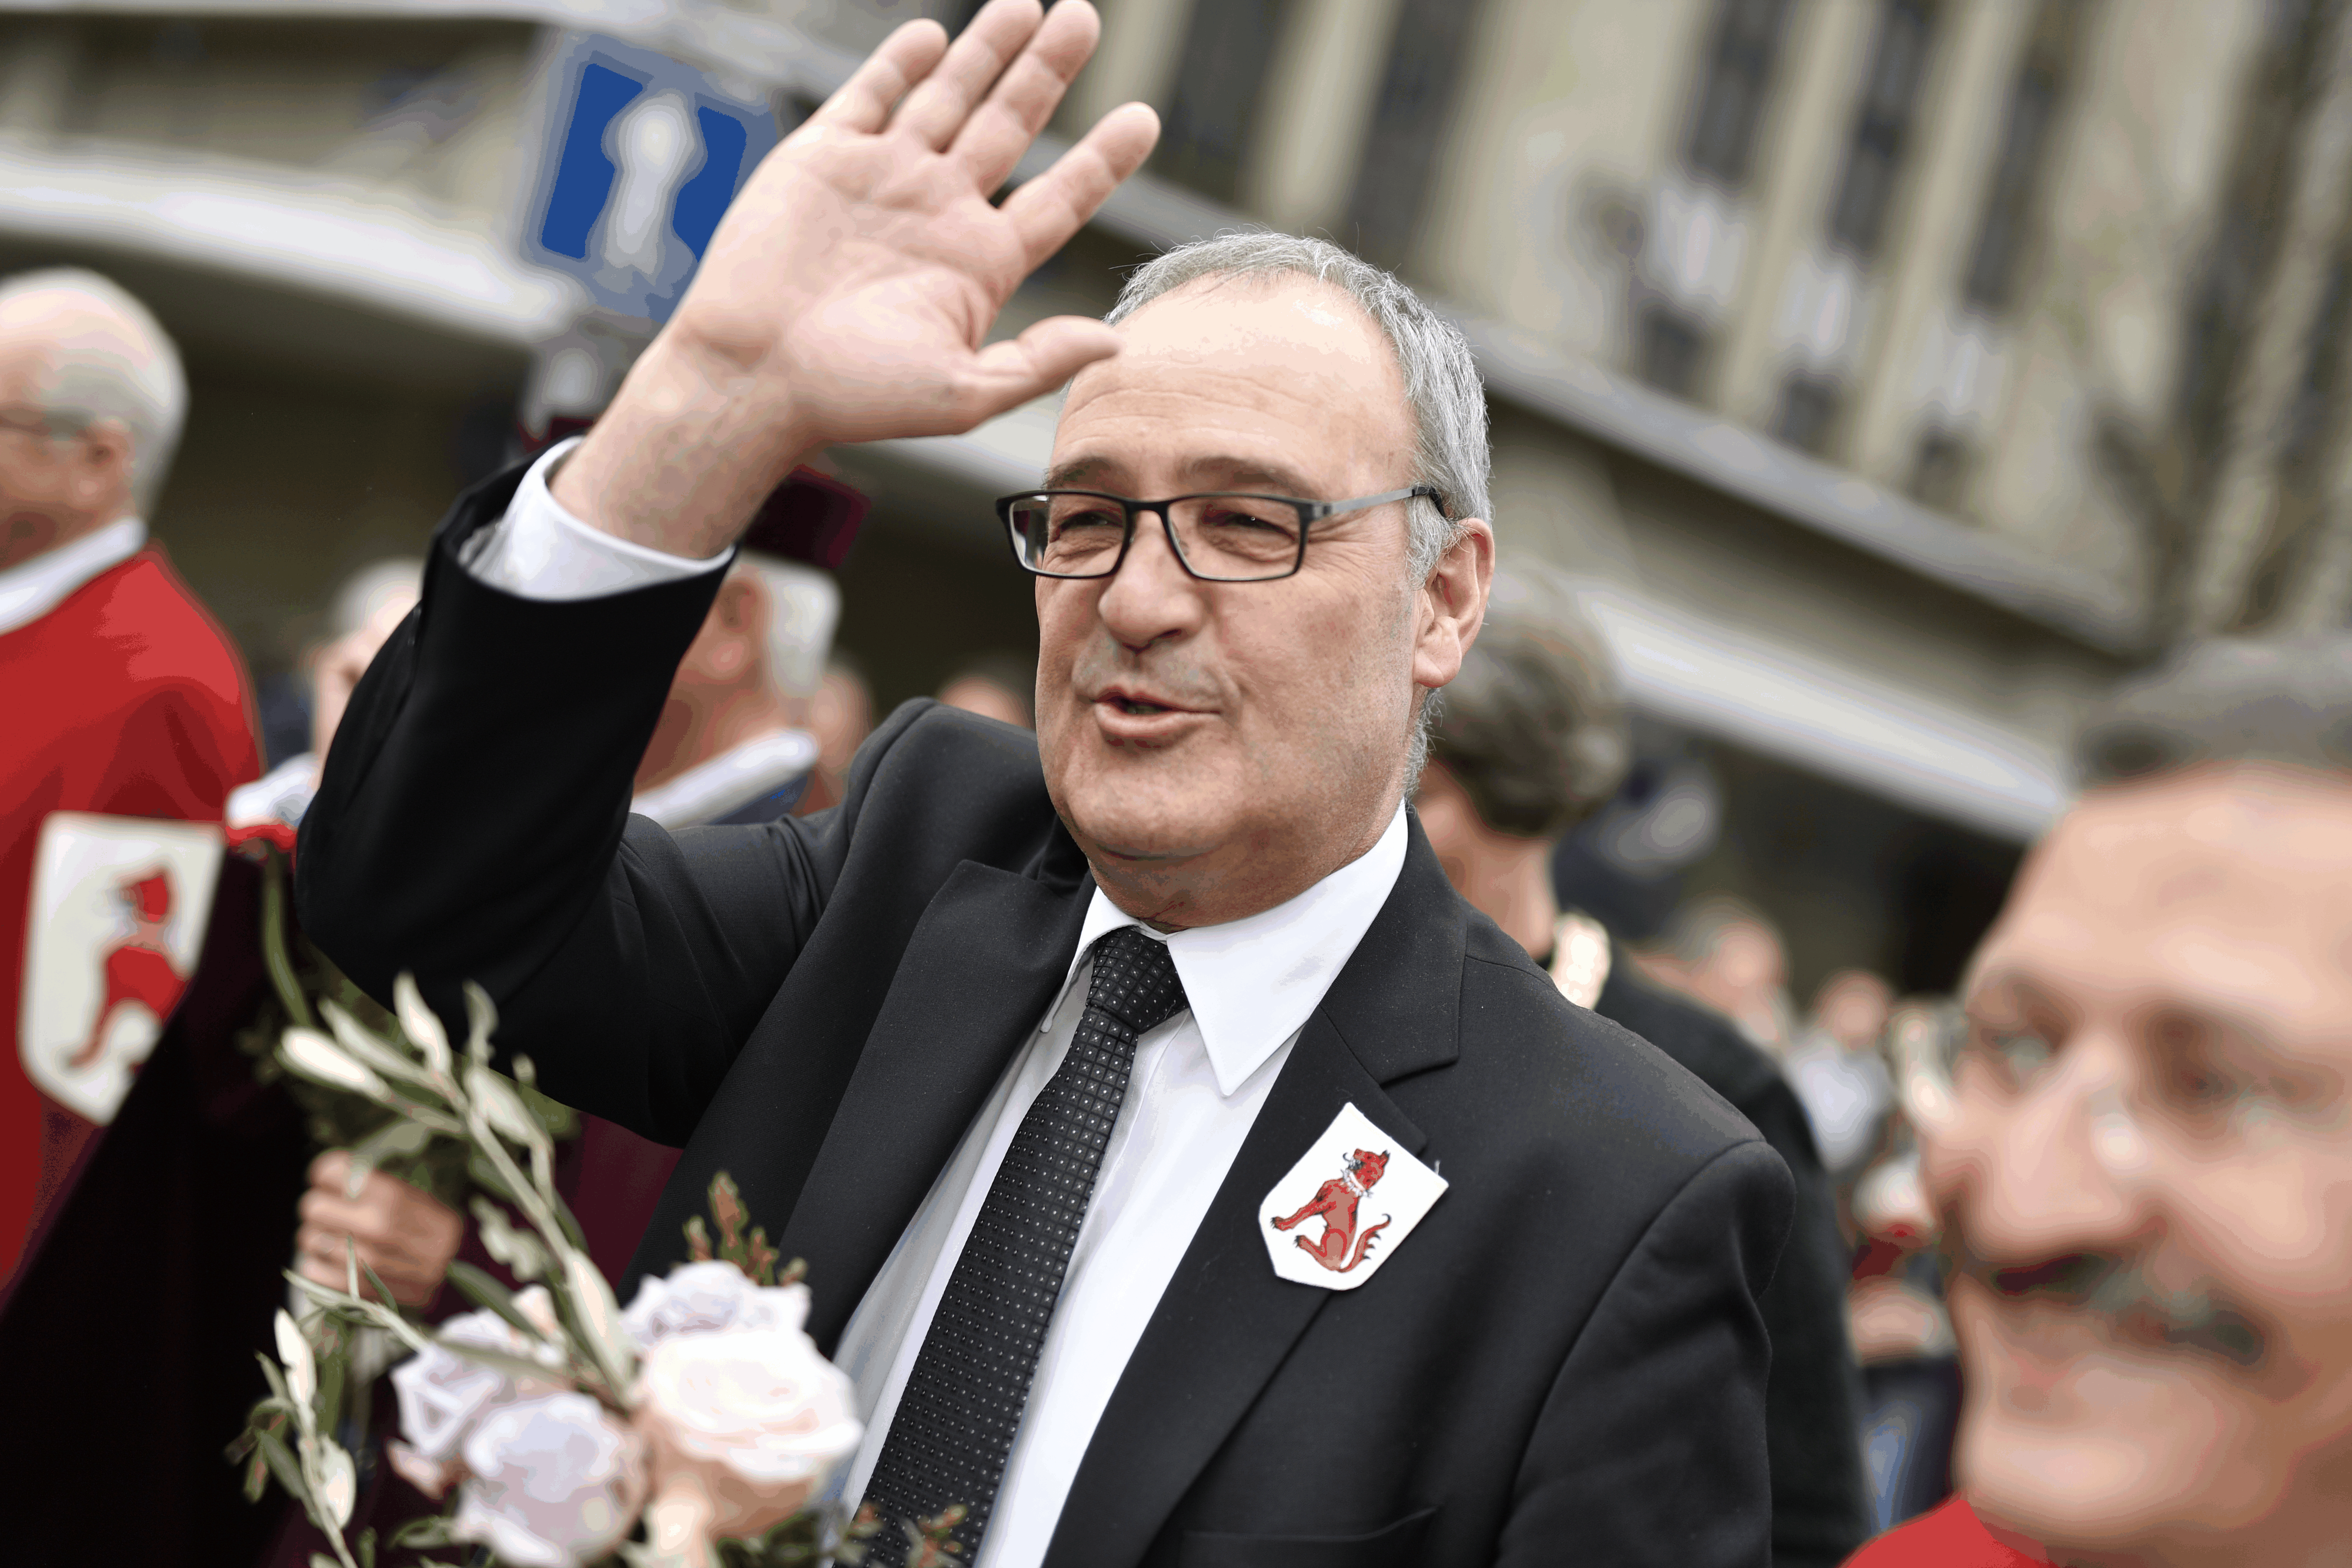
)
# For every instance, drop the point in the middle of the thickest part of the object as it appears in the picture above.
(31, 589)
(1192, 1095)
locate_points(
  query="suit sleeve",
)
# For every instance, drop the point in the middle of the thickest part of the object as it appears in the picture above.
(472, 823)
(1651, 1449)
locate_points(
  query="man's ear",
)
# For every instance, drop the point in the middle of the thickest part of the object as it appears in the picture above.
(101, 476)
(1453, 604)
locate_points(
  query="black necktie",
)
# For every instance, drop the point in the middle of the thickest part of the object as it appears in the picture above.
(970, 1385)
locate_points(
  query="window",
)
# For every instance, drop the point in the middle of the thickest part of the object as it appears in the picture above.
(1939, 470)
(1827, 307)
(1734, 84)
(1882, 122)
(2026, 135)
(1809, 410)
(1220, 83)
(1408, 125)
(1672, 349)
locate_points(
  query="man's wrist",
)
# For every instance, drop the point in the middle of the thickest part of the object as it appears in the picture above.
(684, 456)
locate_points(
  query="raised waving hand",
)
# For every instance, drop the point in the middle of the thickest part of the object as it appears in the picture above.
(846, 294)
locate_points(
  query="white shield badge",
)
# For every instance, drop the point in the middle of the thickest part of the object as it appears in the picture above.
(118, 919)
(1347, 1205)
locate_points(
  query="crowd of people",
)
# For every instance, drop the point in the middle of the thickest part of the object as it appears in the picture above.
(2052, 1269)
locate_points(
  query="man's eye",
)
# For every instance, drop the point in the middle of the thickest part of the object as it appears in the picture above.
(1237, 520)
(2015, 1055)
(1075, 522)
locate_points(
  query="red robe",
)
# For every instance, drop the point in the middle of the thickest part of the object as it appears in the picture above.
(1946, 1537)
(125, 698)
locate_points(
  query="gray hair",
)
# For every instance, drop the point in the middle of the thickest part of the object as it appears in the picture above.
(2283, 699)
(804, 606)
(370, 588)
(1441, 377)
(1534, 728)
(131, 375)
(1441, 383)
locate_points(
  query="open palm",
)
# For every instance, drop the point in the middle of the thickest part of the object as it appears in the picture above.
(855, 277)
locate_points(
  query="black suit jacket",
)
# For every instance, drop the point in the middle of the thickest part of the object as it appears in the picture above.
(1565, 1362)
(1812, 1407)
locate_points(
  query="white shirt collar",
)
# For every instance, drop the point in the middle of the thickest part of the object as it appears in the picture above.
(1252, 983)
(32, 589)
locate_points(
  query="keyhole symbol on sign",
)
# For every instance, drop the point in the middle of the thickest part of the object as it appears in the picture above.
(651, 142)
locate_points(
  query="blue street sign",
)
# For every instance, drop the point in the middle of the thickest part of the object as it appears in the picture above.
(641, 155)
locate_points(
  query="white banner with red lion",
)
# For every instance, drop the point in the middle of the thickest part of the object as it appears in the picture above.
(1347, 1205)
(118, 918)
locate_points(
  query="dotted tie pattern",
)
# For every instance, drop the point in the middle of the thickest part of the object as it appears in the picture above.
(970, 1385)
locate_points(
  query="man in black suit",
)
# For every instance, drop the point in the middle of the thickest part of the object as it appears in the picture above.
(1533, 738)
(1030, 1043)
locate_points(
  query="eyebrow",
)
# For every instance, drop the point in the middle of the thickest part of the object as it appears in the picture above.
(2024, 990)
(1221, 472)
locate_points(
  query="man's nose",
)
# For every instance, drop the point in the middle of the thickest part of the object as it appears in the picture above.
(1151, 596)
(2061, 1167)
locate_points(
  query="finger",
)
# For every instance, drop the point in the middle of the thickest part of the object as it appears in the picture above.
(325, 1244)
(334, 1210)
(1024, 97)
(330, 1167)
(319, 1272)
(1006, 375)
(864, 102)
(938, 107)
(1046, 210)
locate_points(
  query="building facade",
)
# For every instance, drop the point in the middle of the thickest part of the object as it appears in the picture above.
(1837, 345)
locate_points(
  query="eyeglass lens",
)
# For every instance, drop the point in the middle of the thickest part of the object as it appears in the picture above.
(1233, 538)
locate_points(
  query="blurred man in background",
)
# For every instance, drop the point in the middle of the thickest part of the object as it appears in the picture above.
(370, 602)
(733, 744)
(1723, 953)
(1531, 740)
(841, 716)
(729, 747)
(1834, 1066)
(2141, 1154)
(998, 685)
(124, 699)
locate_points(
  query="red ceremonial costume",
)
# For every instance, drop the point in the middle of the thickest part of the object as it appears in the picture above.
(124, 699)
(1946, 1537)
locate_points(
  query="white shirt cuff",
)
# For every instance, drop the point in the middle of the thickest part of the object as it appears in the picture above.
(538, 551)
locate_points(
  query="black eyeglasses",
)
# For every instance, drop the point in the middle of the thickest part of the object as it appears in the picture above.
(1223, 537)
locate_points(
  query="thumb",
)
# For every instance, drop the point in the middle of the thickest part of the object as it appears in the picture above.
(1006, 375)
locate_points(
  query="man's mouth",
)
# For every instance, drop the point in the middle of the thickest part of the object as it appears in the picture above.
(1138, 704)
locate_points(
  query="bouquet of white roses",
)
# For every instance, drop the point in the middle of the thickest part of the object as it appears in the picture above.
(553, 1422)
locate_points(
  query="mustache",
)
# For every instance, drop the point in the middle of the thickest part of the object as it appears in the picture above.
(2118, 1287)
(1104, 662)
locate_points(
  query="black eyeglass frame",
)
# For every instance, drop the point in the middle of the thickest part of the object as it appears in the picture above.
(1310, 513)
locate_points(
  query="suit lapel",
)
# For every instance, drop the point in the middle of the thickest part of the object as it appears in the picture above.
(983, 963)
(1227, 1321)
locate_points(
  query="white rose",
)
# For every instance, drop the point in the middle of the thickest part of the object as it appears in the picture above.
(555, 1482)
(442, 1392)
(699, 1298)
(749, 1424)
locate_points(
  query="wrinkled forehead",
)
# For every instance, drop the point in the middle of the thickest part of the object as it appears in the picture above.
(39, 327)
(2228, 888)
(27, 360)
(1276, 366)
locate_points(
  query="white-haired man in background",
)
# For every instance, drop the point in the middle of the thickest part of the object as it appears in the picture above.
(124, 697)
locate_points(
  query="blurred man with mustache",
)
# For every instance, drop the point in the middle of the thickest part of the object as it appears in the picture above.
(2143, 1155)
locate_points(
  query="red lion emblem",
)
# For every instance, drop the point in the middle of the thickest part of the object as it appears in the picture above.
(137, 968)
(1336, 1200)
